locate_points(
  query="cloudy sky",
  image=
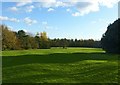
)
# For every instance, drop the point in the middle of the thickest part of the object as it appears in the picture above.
(81, 19)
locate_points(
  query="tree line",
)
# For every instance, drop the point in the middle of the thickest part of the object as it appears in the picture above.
(75, 43)
(12, 40)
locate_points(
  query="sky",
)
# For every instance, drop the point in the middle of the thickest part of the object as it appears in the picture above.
(81, 19)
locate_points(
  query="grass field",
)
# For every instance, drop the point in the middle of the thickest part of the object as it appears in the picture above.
(57, 65)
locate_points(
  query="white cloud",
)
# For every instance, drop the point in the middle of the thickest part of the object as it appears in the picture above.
(29, 8)
(108, 3)
(14, 20)
(68, 10)
(85, 7)
(62, 4)
(20, 4)
(4, 18)
(26, 8)
(81, 7)
(76, 14)
(52, 3)
(14, 9)
(50, 9)
(23, 3)
(29, 21)
(46, 3)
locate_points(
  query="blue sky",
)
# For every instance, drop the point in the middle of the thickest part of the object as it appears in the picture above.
(81, 19)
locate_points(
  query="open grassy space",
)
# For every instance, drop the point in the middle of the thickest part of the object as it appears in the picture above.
(57, 65)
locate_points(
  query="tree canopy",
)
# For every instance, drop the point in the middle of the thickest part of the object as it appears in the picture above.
(111, 38)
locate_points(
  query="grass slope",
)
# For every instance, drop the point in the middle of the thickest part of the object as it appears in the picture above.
(57, 65)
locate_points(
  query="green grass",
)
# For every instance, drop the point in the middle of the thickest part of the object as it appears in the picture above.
(57, 65)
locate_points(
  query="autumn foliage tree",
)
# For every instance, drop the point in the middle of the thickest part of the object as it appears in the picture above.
(44, 41)
(9, 40)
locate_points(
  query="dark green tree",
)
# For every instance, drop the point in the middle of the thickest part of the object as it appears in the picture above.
(24, 39)
(111, 38)
(37, 40)
(64, 43)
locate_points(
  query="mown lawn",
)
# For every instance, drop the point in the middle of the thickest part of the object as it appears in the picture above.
(57, 65)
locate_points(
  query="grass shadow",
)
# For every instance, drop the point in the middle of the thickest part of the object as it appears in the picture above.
(60, 58)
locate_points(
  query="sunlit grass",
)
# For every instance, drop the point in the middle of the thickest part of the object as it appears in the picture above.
(57, 65)
(52, 50)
